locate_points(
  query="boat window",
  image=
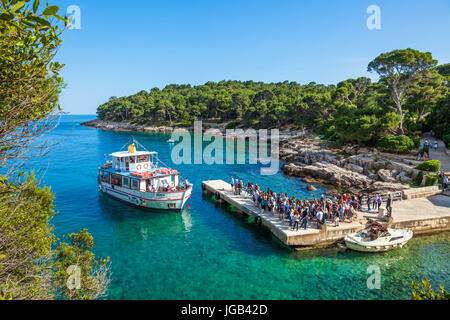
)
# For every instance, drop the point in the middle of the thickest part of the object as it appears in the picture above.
(105, 176)
(132, 159)
(116, 180)
(145, 158)
(126, 182)
(134, 184)
(171, 205)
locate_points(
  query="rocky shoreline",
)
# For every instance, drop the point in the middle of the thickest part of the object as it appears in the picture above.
(126, 126)
(350, 168)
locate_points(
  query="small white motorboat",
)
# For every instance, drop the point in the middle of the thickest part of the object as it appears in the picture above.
(171, 141)
(377, 238)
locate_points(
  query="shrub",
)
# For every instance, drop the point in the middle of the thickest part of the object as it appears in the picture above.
(430, 180)
(430, 165)
(446, 139)
(416, 140)
(425, 292)
(391, 143)
(418, 179)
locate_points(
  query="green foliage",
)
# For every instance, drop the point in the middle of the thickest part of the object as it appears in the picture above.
(30, 267)
(444, 70)
(401, 70)
(26, 240)
(391, 143)
(446, 139)
(430, 165)
(94, 275)
(430, 180)
(246, 103)
(425, 292)
(439, 120)
(416, 141)
(356, 110)
(29, 78)
(418, 179)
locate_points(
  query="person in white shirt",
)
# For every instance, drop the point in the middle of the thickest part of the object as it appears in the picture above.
(319, 217)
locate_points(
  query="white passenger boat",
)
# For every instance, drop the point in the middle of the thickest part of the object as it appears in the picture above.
(377, 238)
(136, 178)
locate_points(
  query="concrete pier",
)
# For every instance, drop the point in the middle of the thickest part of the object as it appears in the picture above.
(421, 215)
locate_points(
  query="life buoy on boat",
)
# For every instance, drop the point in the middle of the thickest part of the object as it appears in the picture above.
(138, 167)
(146, 166)
(137, 201)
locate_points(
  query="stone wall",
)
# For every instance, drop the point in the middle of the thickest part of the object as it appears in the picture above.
(424, 192)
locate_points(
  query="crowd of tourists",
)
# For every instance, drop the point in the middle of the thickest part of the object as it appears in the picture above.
(427, 145)
(301, 213)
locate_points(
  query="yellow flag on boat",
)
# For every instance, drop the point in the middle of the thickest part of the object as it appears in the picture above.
(132, 148)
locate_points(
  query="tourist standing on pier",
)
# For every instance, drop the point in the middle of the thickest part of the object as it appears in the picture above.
(375, 202)
(360, 197)
(379, 201)
(389, 205)
(305, 222)
(320, 219)
(296, 220)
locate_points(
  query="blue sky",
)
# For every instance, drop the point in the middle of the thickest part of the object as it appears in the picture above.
(127, 46)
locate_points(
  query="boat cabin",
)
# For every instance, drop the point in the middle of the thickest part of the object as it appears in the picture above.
(138, 161)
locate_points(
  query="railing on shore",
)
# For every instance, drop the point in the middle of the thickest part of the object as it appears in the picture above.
(396, 196)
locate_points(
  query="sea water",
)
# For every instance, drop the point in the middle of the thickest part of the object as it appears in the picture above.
(209, 251)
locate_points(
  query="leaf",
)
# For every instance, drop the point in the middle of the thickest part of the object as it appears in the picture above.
(17, 6)
(50, 11)
(6, 16)
(60, 18)
(40, 21)
(35, 5)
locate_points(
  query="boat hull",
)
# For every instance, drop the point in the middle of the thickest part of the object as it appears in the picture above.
(380, 245)
(167, 201)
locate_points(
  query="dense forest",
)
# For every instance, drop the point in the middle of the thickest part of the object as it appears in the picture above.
(412, 95)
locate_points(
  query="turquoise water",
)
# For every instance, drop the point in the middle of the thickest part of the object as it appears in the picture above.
(208, 251)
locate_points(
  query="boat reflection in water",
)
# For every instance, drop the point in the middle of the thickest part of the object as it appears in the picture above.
(136, 224)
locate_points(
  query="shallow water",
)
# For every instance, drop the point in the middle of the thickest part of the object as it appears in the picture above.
(209, 251)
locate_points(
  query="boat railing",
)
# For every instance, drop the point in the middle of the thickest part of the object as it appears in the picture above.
(106, 165)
